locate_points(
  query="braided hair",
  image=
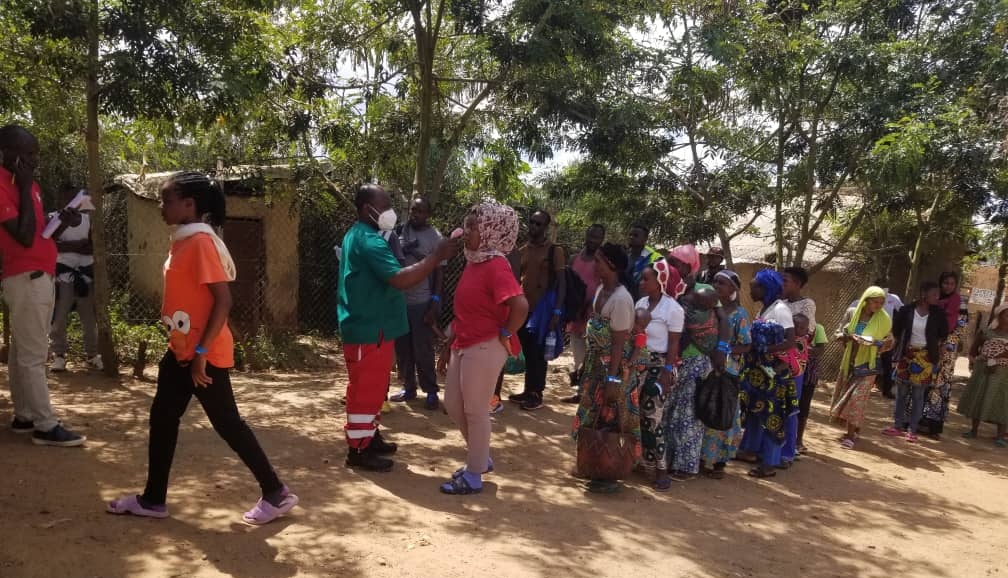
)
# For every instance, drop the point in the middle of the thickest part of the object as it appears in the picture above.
(207, 193)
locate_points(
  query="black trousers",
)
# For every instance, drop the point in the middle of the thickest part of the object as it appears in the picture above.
(805, 401)
(886, 379)
(535, 362)
(415, 352)
(175, 387)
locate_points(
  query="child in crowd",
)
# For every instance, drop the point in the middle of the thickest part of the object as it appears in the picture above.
(200, 351)
(637, 356)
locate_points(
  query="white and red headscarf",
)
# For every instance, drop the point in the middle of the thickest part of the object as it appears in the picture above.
(498, 228)
(669, 279)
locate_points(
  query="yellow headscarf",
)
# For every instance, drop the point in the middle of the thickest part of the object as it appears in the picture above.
(878, 328)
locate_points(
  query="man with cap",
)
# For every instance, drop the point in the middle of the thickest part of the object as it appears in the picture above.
(715, 260)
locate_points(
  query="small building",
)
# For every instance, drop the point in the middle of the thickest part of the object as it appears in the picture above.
(261, 231)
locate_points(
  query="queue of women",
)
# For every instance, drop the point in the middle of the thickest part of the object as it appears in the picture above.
(645, 361)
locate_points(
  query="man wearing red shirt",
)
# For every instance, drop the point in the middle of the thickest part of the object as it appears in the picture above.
(29, 265)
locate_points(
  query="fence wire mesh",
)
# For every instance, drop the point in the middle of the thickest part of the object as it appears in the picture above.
(286, 291)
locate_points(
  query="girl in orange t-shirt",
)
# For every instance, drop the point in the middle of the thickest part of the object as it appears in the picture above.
(200, 351)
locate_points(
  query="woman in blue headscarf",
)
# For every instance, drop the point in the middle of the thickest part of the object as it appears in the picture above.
(767, 393)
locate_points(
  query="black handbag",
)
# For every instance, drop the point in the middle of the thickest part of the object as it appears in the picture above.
(717, 400)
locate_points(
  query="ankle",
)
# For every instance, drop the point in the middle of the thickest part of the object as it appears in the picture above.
(474, 480)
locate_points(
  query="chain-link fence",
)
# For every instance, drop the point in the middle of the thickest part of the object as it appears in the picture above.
(283, 242)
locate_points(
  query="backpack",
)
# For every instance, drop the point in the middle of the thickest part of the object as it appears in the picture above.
(574, 288)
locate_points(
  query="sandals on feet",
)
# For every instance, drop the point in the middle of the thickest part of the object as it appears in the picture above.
(969, 435)
(264, 512)
(761, 473)
(1001, 443)
(131, 505)
(460, 471)
(662, 485)
(847, 443)
(459, 487)
(602, 487)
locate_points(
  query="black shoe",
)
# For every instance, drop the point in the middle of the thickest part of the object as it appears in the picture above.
(532, 402)
(22, 425)
(519, 397)
(572, 399)
(888, 395)
(369, 460)
(58, 436)
(379, 446)
(575, 378)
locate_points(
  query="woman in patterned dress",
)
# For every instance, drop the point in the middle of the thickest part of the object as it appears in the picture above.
(936, 400)
(721, 446)
(606, 400)
(986, 395)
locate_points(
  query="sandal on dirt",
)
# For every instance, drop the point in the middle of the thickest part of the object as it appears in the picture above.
(747, 458)
(969, 435)
(131, 505)
(1001, 443)
(784, 465)
(459, 487)
(462, 470)
(761, 473)
(602, 487)
(847, 443)
(264, 512)
(662, 485)
(715, 474)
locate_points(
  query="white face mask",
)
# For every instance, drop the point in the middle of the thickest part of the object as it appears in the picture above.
(386, 221)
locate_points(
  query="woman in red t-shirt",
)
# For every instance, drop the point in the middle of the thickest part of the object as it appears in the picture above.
(489, 308)
(200, 351)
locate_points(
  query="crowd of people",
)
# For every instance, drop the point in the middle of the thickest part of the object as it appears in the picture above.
(651, 332)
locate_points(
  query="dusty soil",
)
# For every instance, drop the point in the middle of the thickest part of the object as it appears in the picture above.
(886, 509)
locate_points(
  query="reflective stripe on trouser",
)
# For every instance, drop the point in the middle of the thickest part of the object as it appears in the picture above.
(368, 368)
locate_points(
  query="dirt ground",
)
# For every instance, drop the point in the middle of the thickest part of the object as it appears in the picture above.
(886, 509)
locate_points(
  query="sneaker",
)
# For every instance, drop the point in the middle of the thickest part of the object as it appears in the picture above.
(58, 364)
(432, 401)
(368, 460)
(58, 436)
(380, 446)
(96, 363)
(893, 432)
(386, 407)
(532, 402)
(518, 397)
(496, 406)
(404, 395)
(22, 425)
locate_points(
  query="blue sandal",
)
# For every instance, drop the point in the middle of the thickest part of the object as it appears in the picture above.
(462, 470)
(1001, 443)
(459, 487)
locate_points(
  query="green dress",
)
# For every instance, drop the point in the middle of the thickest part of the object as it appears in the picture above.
(986, 395)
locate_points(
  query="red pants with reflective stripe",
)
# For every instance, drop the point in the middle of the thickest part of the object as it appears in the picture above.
(369, 367)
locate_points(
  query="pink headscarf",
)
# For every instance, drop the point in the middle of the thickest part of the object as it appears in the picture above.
(688, 255)
(669, 279)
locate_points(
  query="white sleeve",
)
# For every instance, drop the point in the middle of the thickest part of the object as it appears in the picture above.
(782, 314)
(676, 317)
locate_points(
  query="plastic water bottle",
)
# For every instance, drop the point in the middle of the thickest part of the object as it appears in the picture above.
(550, 351)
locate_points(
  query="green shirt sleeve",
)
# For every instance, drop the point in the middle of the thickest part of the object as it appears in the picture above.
(820, 335)
(379, 258)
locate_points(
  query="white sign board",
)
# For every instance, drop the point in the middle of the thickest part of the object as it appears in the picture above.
(982, 297)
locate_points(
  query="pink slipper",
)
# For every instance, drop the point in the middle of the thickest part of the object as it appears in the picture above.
(131, 505)
(893, 432)
(264, 512)
(911, 437)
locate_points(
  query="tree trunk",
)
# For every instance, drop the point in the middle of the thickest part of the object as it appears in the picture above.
(779, 205)
(106, 346)
(1002, 269)
(425, 45)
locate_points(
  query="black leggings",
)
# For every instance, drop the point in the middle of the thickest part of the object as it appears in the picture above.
(805, 401)
(175, 387)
